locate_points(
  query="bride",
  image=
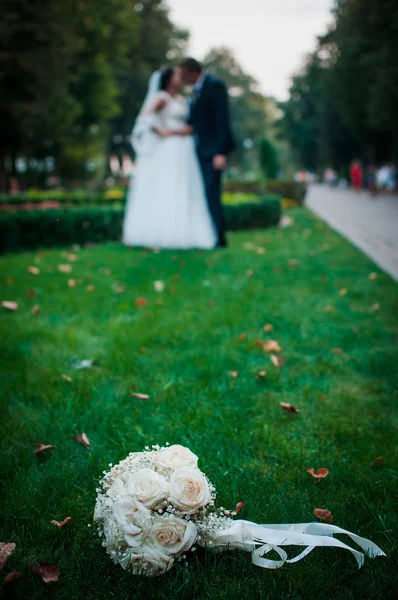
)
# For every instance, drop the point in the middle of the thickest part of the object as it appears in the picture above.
(166, 206)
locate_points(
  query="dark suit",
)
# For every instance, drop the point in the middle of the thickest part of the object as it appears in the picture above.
(209, 117)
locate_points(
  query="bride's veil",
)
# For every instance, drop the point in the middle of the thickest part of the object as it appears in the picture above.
(142, 136)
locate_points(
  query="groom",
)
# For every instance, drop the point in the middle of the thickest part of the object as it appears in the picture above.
(209, 117)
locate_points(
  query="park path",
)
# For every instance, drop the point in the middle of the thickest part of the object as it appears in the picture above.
(369, 223)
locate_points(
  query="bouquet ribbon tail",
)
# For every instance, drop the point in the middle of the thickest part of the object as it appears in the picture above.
(262, 539)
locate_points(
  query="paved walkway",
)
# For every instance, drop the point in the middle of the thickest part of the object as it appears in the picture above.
(369, 223)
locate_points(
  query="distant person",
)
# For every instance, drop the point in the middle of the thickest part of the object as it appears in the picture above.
(371, 179)
(330, 176)
(383, 177)
(356, 175)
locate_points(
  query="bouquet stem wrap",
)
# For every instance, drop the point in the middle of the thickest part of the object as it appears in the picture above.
(262, 539)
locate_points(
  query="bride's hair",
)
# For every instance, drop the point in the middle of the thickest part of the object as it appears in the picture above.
(167, 74)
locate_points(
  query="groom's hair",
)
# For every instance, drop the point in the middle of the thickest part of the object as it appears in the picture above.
(191, 65)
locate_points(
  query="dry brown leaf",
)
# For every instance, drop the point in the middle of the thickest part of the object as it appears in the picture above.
(9, 305)
(258, 343)
(272, 346)
(375, 307)
(293, 262)
(343, 292)
(260, 250)
(42, 448)
(82, 439)
(31, 293)
(47, 571)
(261, 375)
(36, 310)
(249, 273)
(71, 257)
(336, 351)
(233, 373)
(120, 289)
(372, 276)
(329, 308)
(239, 507)
(66, 377)
(323, 515)
(6, 549)
(212, 303)
(177, 277)
(13, 576)
(90, 288)
(159, 303)
(289, 407)
(319, 474)
(268, 327)
(140, 396)
(379, 460)
(64, 268)
(141, 302)
(33, 270)
(72, 283)
(242, 336)
(277, 360)
(63, 523)
(9, 281)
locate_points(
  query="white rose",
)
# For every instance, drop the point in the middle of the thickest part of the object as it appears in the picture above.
(118, 490)
(148, 487)
(189, 490)
(175, 457)
(134, 518)
(173, 535)
(148, 561)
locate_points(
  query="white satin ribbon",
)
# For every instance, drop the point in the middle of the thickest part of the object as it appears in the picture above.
(261, 539)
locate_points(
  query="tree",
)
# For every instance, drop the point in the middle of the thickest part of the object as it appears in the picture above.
(268, 159)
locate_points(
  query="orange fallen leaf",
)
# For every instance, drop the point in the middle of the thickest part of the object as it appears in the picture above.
(9, 305)
(36, 310)
(277, 360)
(336, 351)
(31, 293)
(9, 281)
(141, 302)
(47, 571)
(319, 474)
(372, 276)
(6, 549)
(61, 524)
(90, 288)
(140, 396)
(239, 507)
(375, 307)
(42, 448)
(82, 439)
(242, 336)
(343, 292)
(72, 283)
(66, 377)
(233, 373)
(272, 346)
(323, 515)
(379, 460)
(177, 277)
(329, 308)
(13, 576)
(71, 257)
(120, 289)
(64, 268)
(33, 270)
(289, 407)
(258, 343)
(261, 375)
(268, 327)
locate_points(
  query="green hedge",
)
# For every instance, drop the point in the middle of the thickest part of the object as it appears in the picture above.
(21, 230)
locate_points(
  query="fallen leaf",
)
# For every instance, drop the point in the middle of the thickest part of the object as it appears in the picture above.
(71, 257)
(272, 346)
(336, 351)
(9, 305)
(289, 407)
(212, 303)
(141, 302)
(119, 289)
(233, 373)
(286, 221)
(343, 292)
(140, 396)
(65, 268)
(323, 515)
(13, 576)
(82, 439)
(42, 448)
(106, 272)
(260, 250)
(379, 460)
(159, 286)
(261, 375)
(159, 303)
(375, 307)
(248, 246)
(61, 524)
(66, 377)
(36, 310)
(90, 288)
(47, 571)
(239, 507)
(33, 270)
(277, 360)
(258, 343)
(320, 474)
(6, 549)
(329, 308)
(372, 276)
(249, 273)
(268, 327)
(242, 336)
(293, 262)
(177, 277)
(31, 293)
(9, 281)
(72, 283)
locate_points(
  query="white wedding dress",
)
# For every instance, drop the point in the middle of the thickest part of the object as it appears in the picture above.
(166, 206)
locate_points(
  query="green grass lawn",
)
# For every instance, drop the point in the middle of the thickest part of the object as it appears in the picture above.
(179, 349)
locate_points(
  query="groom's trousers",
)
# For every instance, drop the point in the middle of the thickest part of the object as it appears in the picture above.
(212, 181)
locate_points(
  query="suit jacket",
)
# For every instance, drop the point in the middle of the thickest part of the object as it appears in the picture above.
(210, 119)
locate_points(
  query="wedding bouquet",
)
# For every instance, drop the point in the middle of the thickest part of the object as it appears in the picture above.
(154, 506)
